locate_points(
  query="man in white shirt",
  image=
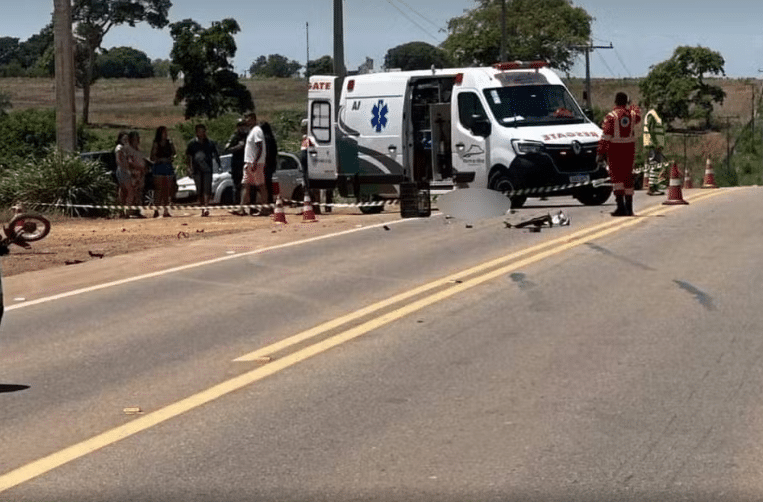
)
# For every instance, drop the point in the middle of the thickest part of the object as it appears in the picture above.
(255, 152)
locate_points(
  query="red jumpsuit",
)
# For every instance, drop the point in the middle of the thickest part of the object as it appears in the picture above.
(618, 144)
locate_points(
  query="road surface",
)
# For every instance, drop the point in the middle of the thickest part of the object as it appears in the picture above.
(432, 359)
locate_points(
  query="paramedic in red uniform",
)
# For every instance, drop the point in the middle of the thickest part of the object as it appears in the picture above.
(618, 147)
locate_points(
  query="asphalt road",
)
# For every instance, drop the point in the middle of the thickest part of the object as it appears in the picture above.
(433, 359)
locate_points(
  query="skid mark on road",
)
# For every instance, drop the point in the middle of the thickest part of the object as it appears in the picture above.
(703, 298)
(616, 256)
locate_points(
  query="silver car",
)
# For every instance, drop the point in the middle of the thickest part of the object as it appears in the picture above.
(288, 181)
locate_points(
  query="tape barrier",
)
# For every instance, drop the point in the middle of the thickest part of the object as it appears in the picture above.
(385, 202)
(151, 207)
(558, 188)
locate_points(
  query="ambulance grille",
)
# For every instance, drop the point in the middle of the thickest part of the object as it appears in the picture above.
(567, 161)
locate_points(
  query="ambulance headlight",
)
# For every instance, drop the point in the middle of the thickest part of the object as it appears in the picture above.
(524, 147)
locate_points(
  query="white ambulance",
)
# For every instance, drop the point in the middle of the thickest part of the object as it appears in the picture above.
(513, 127)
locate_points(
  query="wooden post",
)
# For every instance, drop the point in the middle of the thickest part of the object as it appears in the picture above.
(66, 121)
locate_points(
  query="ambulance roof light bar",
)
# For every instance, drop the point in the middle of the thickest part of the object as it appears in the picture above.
(517, 65)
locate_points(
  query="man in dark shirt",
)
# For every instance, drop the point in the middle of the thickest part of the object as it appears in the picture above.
(235, 147)
(201, 152)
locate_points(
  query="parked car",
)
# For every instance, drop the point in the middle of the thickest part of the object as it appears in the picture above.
(288, 181)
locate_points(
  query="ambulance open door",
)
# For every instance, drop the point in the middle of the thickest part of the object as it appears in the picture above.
(321, 145)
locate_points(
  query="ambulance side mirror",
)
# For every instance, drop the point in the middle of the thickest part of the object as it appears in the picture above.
(481, 127)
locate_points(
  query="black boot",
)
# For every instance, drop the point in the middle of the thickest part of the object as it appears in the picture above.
(628, 205)
(620, 211)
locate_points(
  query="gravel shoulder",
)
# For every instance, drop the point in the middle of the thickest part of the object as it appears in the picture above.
(73, 242)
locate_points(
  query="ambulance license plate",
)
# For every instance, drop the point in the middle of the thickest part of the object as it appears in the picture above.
(580, 178)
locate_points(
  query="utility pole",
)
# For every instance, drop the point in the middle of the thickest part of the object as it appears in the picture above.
(66, 121)
(307, 44)
(339, 69)
(752, 109)
(588, 48)
(728, 140)
(503, 30)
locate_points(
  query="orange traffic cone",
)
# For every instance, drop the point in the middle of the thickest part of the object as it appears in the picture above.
(674, 190)
(278, 215)
(709, 181)
(308, 214)
(687, 179)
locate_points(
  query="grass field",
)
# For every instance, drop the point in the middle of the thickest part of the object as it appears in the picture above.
(144, 104)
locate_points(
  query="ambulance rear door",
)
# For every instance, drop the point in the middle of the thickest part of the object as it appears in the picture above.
(322, 155)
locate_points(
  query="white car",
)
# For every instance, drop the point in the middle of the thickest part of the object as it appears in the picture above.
(288, 181)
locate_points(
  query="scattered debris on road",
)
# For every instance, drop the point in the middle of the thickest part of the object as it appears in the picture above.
(535, 223)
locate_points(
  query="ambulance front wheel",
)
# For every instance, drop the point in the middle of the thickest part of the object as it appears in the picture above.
(593, 196)
(501, 182)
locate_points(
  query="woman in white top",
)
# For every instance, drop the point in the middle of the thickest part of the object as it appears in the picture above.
(125, 194)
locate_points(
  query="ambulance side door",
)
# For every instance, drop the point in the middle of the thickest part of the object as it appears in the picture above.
(471, 132)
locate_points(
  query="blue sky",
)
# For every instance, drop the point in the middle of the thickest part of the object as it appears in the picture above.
(643, 33)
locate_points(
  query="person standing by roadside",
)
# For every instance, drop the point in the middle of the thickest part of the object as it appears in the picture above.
(138, 168)
(307, 144)
(654, 143)
(123, 175)
(254, 166)
(235, 147)
(618, 146)
(271, 159)
(201, 152)
(162, 154)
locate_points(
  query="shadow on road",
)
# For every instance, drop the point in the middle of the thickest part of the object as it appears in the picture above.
(6, 388)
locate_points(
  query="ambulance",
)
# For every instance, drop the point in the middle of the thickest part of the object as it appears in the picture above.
(513, 127)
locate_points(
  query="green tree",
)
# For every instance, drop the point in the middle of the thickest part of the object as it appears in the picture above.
(536, 29)
(95, 18)
(275, 65)
(124, 62)
(676, 87)
(5, 103)
(321, 66)
(203, 56)
(9, 50)
(161, 67)
(416, 56)
(31, 55)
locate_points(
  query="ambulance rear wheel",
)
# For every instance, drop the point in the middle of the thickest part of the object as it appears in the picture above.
(371, 209)
(375, 205)
(501, 181)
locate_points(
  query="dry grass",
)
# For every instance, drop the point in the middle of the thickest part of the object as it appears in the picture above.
(148, 103)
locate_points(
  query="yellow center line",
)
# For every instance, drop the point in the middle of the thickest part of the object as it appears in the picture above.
(43, 465)
(388, 302)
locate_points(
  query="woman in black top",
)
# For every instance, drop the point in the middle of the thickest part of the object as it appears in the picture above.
(162, 153)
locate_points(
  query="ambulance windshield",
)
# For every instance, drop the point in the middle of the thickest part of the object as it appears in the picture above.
(529, 105)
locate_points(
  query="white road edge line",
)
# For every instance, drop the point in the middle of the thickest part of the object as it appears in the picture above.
(189, 266)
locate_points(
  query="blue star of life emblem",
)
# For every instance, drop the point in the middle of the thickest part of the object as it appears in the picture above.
(379, 121)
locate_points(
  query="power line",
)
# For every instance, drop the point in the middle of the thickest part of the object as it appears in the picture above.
(619, 58)
(411, 20)
(605, 64)
(623, 64)
(440, 29)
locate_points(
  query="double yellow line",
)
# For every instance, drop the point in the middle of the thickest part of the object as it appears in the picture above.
(382, 313)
